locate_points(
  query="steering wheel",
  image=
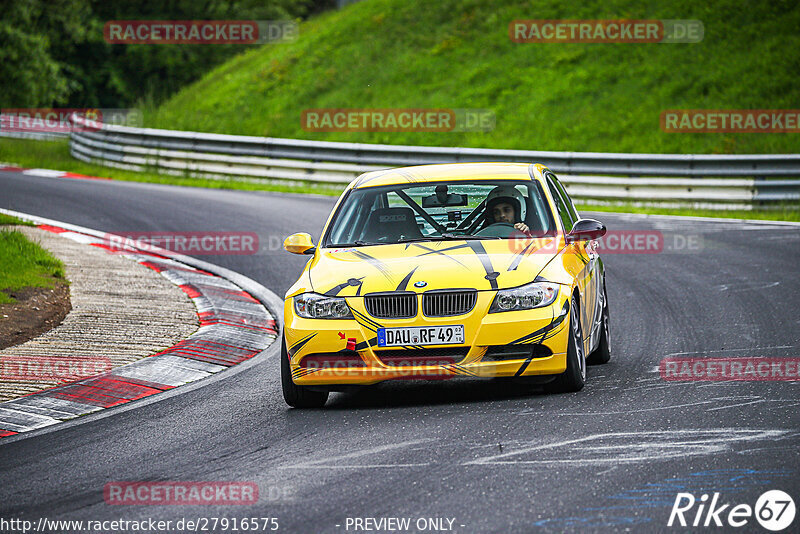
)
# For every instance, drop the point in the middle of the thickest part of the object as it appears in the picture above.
(498, 229)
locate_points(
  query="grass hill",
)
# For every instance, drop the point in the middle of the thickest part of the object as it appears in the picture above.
(547, 96)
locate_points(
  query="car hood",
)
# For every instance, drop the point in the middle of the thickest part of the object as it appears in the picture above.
(429, 265)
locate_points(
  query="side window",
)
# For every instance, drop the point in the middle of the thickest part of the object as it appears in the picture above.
(563, 211)
(343, 233)
(357, 227)
(567, 199)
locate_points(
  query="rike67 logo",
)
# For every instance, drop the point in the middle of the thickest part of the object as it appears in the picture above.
(774, 510)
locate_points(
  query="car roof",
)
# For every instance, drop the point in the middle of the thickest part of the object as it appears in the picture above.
(446, 172)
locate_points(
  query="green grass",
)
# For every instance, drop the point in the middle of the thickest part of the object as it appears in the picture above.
(24, 263)
(457, 54)
(9, 220)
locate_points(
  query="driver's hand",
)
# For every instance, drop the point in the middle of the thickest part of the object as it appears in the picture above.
(522, 227)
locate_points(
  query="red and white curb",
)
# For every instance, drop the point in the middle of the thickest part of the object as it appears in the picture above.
(234, 327)
(48, 173)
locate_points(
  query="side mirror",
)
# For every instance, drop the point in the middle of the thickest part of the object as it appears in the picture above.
(586, 230)
(299, 244)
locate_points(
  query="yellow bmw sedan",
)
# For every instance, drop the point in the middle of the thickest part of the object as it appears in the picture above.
(444, 271)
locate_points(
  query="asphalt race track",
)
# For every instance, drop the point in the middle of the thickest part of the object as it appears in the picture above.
(609, 458)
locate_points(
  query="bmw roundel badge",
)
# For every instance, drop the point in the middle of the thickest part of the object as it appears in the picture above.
(420, 284)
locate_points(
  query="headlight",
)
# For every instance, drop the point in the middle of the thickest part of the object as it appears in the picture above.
(315, 306)
(525, 297)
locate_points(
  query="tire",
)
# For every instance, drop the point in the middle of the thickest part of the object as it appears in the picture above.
(603, 351)
(574, 377)
(294, 395)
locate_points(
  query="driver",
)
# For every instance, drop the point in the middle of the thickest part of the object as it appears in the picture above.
(505, 204)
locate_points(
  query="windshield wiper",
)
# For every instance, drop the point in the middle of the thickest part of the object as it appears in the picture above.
(414, 239)
(445, 237)
(353, 244)
(469, 237)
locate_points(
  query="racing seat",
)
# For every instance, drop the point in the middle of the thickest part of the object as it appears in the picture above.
(389, 225)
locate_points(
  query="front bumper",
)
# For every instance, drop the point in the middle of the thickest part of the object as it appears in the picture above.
(545, 329)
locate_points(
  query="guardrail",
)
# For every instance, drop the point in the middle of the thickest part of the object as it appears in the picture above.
(39, 136)
(16, 132)
(716, 181)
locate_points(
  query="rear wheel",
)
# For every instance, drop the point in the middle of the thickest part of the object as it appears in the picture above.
(603, 351)
(574, 377)
(294, 395)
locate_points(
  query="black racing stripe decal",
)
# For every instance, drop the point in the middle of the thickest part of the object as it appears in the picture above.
(522, 367)
(531, 338)
(300, 344)
(335, 290)
(379, 174)
(404, 283)
(450, 367)
(580, 256)
(369, 343)
(546, 332)
(409, 348)
(461, 370)
(524, 252)
(365, 321)
(440, 252)
(303, 371)
(486, 261)
(518, 258)
(410, 178)
(351, 282)
(375, 262)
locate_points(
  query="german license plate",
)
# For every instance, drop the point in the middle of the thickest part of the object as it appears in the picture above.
(421, 335)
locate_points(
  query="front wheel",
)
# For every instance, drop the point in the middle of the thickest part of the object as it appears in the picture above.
(603, 351)
(574, 377)
(294, 395)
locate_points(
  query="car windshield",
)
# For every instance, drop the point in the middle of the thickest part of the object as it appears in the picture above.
(439, 211)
